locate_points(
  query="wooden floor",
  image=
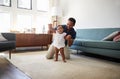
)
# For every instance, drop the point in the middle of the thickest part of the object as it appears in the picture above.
(9, 71)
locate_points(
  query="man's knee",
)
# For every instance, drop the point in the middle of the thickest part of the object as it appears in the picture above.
(50, 52)
(67, 52)
(68, 37)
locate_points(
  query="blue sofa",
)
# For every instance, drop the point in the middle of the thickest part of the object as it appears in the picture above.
(10, 44)
(90, 40)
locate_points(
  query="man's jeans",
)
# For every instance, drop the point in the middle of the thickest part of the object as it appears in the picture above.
(51, 52)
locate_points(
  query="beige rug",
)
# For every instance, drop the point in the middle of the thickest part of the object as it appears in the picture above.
(37, 66)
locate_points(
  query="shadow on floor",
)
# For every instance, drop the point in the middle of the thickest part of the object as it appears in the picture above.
(101, 57)
(29, 49)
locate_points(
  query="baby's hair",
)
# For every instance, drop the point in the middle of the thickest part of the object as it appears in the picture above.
(59, 25)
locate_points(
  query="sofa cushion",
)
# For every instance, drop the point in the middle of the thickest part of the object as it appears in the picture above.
(94, 33)
(78, 41)
(101, 44)
(2, 38)
(111, 36)
(7, 45)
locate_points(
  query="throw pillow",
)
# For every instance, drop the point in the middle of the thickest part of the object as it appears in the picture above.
(111, 36)
(2, 38)
(116, 38)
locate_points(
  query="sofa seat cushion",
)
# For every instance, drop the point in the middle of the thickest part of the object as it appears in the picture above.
(101, 44)
(6, 45)
(78, 42)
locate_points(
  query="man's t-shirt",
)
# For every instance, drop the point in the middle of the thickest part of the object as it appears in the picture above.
(70, 31)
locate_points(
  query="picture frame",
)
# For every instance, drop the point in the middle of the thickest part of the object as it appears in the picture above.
(24, 4)
(5, 3)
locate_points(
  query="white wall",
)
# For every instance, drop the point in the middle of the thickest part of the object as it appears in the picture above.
(92, 13)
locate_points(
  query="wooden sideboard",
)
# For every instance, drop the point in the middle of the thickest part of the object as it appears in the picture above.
(27, 40)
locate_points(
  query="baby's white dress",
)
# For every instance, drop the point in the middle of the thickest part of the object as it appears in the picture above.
(59, 40)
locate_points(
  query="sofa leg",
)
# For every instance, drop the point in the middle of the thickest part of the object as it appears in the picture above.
(10, 51)
(77, 51)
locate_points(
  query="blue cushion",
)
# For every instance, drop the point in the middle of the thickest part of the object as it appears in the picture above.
(101, 44)
(95, 34)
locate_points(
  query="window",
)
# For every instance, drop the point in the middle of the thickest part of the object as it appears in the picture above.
(43, 5)
(42, 24)
(5, 22)
(24, 22)
(25, 4)
(5, 3)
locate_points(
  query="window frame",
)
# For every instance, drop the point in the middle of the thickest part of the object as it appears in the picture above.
(2, 4)
(20, 7)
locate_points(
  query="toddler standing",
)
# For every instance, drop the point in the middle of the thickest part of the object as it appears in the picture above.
(59, 42)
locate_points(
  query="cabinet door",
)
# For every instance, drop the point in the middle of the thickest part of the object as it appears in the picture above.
(24, 40)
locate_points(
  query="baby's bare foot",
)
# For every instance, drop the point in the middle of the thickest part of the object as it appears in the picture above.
(55, 60)
(64, 61)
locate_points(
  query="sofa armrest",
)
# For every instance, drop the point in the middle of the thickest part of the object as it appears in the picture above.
(10, 36)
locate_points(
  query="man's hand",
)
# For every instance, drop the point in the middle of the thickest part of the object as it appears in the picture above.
(69, 40)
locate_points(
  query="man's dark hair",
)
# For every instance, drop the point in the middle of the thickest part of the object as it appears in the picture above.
(72, 20)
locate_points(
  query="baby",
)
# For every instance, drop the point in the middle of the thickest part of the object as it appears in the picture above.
(59, 42)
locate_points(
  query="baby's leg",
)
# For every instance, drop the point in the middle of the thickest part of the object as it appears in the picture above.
(62, 53)
(56, 53)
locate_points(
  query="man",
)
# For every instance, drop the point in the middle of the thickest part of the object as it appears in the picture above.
(71, 34)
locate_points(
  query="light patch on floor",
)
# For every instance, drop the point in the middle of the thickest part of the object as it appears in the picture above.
(2, 54)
